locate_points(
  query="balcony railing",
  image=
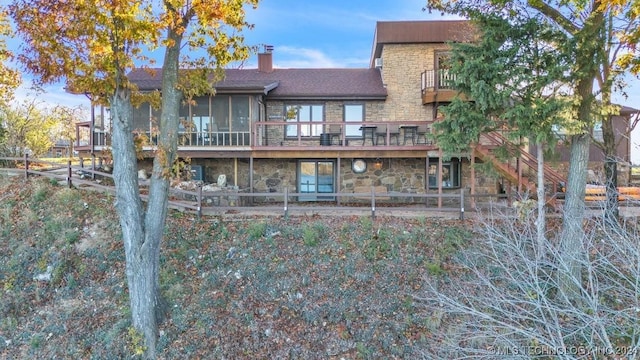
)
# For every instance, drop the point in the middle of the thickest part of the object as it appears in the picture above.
(270, 134)
(345, 134)
(434, 80)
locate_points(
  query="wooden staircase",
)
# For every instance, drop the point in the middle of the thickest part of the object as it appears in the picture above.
(484, 151)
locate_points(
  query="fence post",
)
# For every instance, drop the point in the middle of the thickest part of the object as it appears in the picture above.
(93, 166)
(69, 184)
(199, 201)
(373, 203)
(26, 166)
(461, 204)
(286, 202)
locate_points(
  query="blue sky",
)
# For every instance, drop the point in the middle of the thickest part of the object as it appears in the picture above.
(329, 33)
(305, 34)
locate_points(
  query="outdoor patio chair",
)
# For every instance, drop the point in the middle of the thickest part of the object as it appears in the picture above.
(423, 135)
(335, 132)
(381, 133)
(394, 132)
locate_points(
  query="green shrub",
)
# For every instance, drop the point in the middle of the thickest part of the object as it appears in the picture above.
(379, 246)
(72, 237)
(309, 235)
(256, 230)
(39, 196)
(434, 268)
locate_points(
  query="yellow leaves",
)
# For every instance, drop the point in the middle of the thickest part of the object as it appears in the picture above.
(9, 78)
(608, 109)
(92, 44)
(228, 12)
(100, 49)
(89, 43)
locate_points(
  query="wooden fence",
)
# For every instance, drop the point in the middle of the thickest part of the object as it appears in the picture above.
(203, 202)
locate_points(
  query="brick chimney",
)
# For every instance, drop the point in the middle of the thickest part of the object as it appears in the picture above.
(265, 59)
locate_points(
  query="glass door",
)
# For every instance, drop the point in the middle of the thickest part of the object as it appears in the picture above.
(325, 179)
(307, 181)
(316, 178)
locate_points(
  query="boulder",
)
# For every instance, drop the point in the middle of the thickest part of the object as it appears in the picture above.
(222, 180)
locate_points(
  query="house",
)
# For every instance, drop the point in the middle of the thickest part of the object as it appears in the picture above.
(324, 131)
(60, 148)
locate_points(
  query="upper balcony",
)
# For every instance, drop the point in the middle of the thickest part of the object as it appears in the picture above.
(437, 86)
(281, 139)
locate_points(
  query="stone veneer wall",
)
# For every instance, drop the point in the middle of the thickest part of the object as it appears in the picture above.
(274, 175)
(486, 182)
(402, 66)
(213, 168)
(400, 175)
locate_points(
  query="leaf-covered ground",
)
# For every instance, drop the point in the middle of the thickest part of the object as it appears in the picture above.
(245, 287)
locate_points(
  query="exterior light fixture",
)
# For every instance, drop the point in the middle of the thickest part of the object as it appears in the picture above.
(377, 164)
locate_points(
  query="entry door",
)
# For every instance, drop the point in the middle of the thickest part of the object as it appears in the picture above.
(316, 177)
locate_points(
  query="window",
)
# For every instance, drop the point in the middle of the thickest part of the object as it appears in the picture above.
(353, 113)
(450, 174)
(305, 114)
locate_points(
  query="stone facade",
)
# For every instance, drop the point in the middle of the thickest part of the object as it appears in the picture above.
(402, 67)
(396, 175)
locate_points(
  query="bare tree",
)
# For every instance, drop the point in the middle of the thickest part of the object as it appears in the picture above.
(508, 301)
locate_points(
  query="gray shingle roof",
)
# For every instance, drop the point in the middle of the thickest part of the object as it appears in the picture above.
(325, 84)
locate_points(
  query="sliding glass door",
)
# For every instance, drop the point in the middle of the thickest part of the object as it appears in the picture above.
(316, 177)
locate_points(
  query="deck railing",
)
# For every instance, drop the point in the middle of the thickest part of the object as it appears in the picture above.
(285, 134)
(433, 80)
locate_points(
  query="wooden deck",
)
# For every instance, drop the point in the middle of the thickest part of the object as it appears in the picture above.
(384, 139)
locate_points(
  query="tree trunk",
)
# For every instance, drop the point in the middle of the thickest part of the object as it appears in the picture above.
(574, 208)
(572, 230)
(140, 262)
(588, 45)
(541, 220)
(157, 206)
(611, 212)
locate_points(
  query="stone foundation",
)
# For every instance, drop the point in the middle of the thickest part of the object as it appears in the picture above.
(405, 176)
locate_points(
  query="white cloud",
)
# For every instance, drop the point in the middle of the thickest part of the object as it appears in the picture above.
(50, 96)
(297, 57)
